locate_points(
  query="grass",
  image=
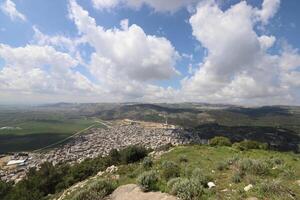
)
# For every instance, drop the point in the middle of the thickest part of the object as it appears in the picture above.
(35, 134)
(284, 167)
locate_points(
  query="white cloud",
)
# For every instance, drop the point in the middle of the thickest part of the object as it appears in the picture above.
(41, 70)
(269, 9)
(157, 5)
(125, 59)
(238, 68)
(8, 7)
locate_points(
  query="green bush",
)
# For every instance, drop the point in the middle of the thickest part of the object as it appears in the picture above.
(115, 156)
(257, 167)
(183, 159)
(187, 189)
(4, 188)
(220, 141)
(249, 144)
(200, 176)
(133, 154)
(148, 181)
(96, 191)
(271, 188)
(147, 163)
(237, 177)
(170, 170)
(222, 166)
(171, 182)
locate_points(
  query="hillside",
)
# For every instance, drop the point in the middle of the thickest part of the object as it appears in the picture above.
(268, 174)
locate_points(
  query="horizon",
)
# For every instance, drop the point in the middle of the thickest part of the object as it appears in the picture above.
(235, 52)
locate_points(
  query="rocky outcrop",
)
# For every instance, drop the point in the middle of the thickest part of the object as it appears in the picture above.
(133, 192)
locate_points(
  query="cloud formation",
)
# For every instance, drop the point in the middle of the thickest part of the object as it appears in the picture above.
(8, 7)
(238, 67)
(157, 5)
(125, 59)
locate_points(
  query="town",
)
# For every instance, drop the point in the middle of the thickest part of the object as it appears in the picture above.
(97, 142)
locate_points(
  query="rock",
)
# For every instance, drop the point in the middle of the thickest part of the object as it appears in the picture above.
(133, 192)
(252, 198)
(111, 169)
(211, 185)
(298, 182)
(225, 190)
(248, 187)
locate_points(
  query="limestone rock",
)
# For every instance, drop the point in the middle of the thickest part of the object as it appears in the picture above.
(248, 187)
(211, 185)
(133, 192)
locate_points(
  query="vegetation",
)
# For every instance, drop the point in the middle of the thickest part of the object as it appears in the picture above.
(52, 179)
(220, 141)
(95, 191)
(250, 144)
(170, 170)
(148, 181)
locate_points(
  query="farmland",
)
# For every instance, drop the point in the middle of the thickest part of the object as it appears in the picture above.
(29, 130)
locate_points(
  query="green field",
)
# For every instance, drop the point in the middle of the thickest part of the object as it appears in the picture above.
(35, 134)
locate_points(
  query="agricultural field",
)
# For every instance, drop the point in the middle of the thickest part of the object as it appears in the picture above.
(31, 130)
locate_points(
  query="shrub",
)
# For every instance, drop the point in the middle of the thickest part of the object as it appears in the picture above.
(148, 181)
(96, 191)
(183, 159)
(237, 177)
(187, 189)
(220, 141)
(249, 144)
(273, 187)
(170, 170)
(147, 163)
(199, 175)
(222, 166)
(172, 181)
(4, 188)
(133, 154)
(115, 156)
(256, 167)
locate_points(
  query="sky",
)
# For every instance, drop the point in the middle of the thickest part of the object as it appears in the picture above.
(213, 51)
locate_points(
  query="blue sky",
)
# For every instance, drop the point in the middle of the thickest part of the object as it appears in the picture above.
(163, 54)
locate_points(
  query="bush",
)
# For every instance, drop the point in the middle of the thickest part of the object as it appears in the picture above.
(256, 167)
(273, 187)
(133, 154)
(4, 188)
(202, 178)
(148, 181)
(187, 189)
(171, 182)
(249, 144)
(183, 159)
(222, 166)
(170, 170)
(220, 141)
(237, 177)
(147, 163)
(115, 156)
(95, 191)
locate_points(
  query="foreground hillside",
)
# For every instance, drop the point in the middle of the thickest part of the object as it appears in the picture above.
(186, 172)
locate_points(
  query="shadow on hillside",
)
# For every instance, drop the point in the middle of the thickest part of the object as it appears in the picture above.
(261, 111)
(277, 138)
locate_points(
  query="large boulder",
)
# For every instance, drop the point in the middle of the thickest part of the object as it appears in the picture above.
(133, 192)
